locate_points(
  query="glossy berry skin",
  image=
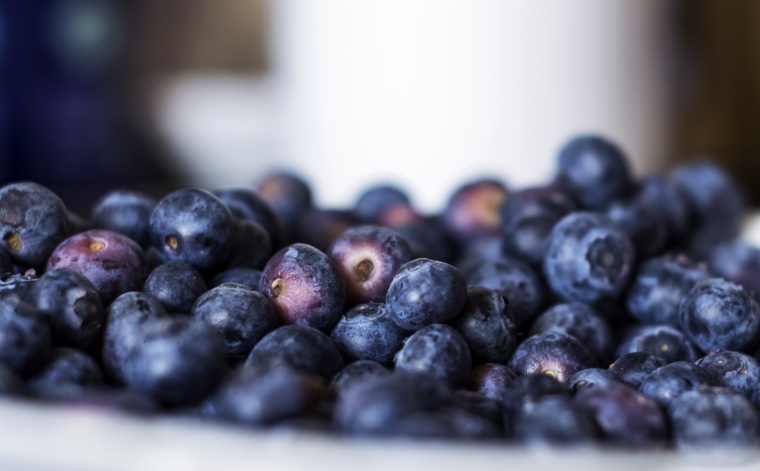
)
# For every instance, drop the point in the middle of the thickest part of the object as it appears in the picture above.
(303, 348)
(367, 332)
(593, 171)
(11, 383)
(554, 420)
(247, 205)
(287, 194)
(67, 368)
(582, 322)
(734, 370)
(666, 342)
(487, 325)
(557, 355)
(527, 219)
(304, 287)
(634, 368)
(367, 259)
(71, 305)
(659, 286)
(473, 211)
(376, 200)
(720, 315)
(33, 220)
(194, 226)
(592, 378)
(25, 343)
(357, 372)
(492, 380)
(176, 285)
(439, 351)
(643, 222)
(249, 277)
(666, 384)
(251, 247)
(115, 264)
(738, 262)
(589, 259)
(241, 315)
(126, 212)
(425, 292)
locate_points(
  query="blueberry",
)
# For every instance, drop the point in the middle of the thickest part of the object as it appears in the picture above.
(304, 287)
(115, 264)
(249, 277)
(251, 247)
(399, 215)
(126, 212)
(288, 196)
(720, 315)
(473, 211)
(589, 258)
(322, 227)
(738, 262)
(11, 383)
(367, 259)
(241, 315)
(592, 377)
(594, 171)
(634, 368)
(644, 222)
(667, 342)
(427, 240)
(110, 400)
(671, 200)
(6, 264)
(492, 380)
(33, 220)
(176, 285)
(367, 332)
(192, 225)
(303, 348)
(554, 420)
(666, 384)
(25, 340)
(487, 325)
(582, 322)
(67, 368)
(247, 205)
(524, 392)
(437, 350)
(734, 370)
(71, 306)
(445, 423)
(425, 292)
(557, 355)
(357, 372)
(376, 200)
(17, 287)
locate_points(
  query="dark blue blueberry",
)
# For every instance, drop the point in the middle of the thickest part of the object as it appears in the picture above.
(445, 424)
(594, 171)
(554, 420)
(720, 315)
(301, 347)
(516, 281)
(492, 380)
(33, 220)
(644, 222)
(671, 200)
(67, 368)
(524, 392)
(477, 251)
(126, 212)
(738, 262)
(582, 322)
(367, 332)
(17, 287)
(367, 259)
(71, 306)
(625, 417)
(322, 227)
(478, 404)
(557, 355)
(734, 370)
(634, 368)
(374, 201)
(589, 258)
(487, 325)
(527, 219)
(592, 377)
(669, 382)
(192, 225)
(11, 383)
(249, 277)
(437, 350)
(666, 342)
(357, 372)
(427, 241)
(25, 340)
(114, 263)
(659, 286)
(304, 287)
(252, 245)
(241, 315)
(425, 292)
(474, 210)
(6, 264)
(247, 205)
(176, 285)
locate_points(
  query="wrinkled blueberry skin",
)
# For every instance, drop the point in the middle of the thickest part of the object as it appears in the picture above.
(264, 394)
(427, 241)
(492, 380)
(582, 322)
(487, 325)
(367, 259)
(643, 222)
(304, 287)
(589, 259)
(115, 264)
(734, 370)
(634, 368)
(252, 245)
(474, 210)
(71, 305)
(303, 348)
(713, 418)
(25, 343)
(551, 353)
(671, 200)
(357, 372)
(425, 292)
(720, 315)
(67, 368)
(176, 285)
(323, 227)
(672, 380)
(249, 277)
(247, 205)
(516, 281)
(288, 196)
(125, 212)
(594, 171)
(11, 383)
(554, 420)
(437, 350)
(666, 342)
(592, 378)
(738, 262)
(527, 219)
(625, 417)
(33, 220)
(367, 332)
(659, 286)
(194, 226)
(241, 315)
(374, 201)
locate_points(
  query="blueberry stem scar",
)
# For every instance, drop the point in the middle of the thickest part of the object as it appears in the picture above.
(364, 269)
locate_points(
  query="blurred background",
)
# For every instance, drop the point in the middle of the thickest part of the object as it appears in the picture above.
(152, 95)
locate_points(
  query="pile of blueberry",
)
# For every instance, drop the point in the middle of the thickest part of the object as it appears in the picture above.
(595, 309)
